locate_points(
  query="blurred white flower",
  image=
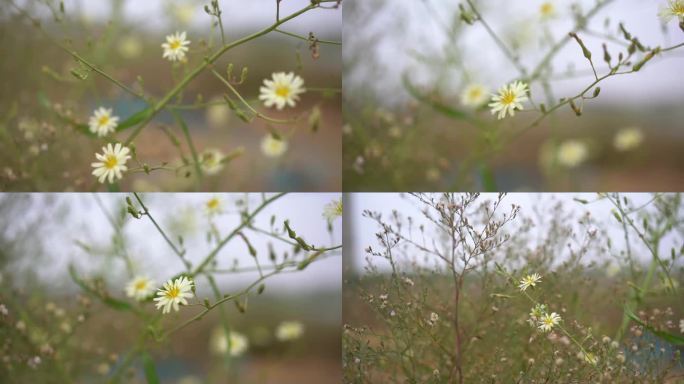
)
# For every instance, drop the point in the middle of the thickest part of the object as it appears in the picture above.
(612, 270)
(218, 113)
(213, 206)
(474, 95)
(184, 12)
(140, 287)
(273, 147)
(174, 293)
(627, 139)
(112, 163)
(681, 325)
(130, 47)
(509, 99)
(289, 330)
(333, 210)
(102, 122)
(238, 343)
(211, 161)
(175, 47)
(572, 153)
(548, 321)
(282, 89)
(547, 10)
(529, 281)
(674, 8)
(588, 357)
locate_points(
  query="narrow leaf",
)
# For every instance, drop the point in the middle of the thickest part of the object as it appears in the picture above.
(150, 370)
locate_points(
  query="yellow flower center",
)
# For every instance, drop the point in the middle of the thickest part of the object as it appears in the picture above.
(475, 93)
(213, 204)
(548, 321)
(282, 91)
(677, 8)
(140, 285)
(103, 120)
(546, 9)
(172, 292)
(111, 161)
(508, 97)
(175, 44)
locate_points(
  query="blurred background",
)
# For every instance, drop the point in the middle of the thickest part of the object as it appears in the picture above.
(41, 152)
(42, 234)
(394, 142)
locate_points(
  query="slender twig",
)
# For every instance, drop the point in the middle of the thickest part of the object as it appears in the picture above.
(306, 38)
(159, 106)
(146, 212)
(246, 104)
(507, 52)
(245, 221)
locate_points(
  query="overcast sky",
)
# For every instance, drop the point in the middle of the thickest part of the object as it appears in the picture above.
(238, 15)
(387, 32)
(85, 222)
(364, 229)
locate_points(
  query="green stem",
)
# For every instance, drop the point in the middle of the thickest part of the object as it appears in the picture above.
(243, 101)
(207, 62)
(306, 38)
(245, 222)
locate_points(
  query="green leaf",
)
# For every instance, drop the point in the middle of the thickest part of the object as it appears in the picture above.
(670, 338)
(134, 119)
(150, 370)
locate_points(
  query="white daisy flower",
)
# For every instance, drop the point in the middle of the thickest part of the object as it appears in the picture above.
(628, 139)
(548, 321)
(508, 99)
(175, 47)
(547, 10)
(174, 293)
(211, 161)
(674, 8)
(213, 206)
(529, 281)
(588, 357)
(273, 147)
(112, 163)
(289, 330)
(474, 95)
(332, 210)
(140, 287)
(572, 153)
(282, 89)
(102, 122)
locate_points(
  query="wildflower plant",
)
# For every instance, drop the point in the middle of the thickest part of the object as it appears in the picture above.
(172, 305)
(165, 113)
(557, 56)
(473, 289)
